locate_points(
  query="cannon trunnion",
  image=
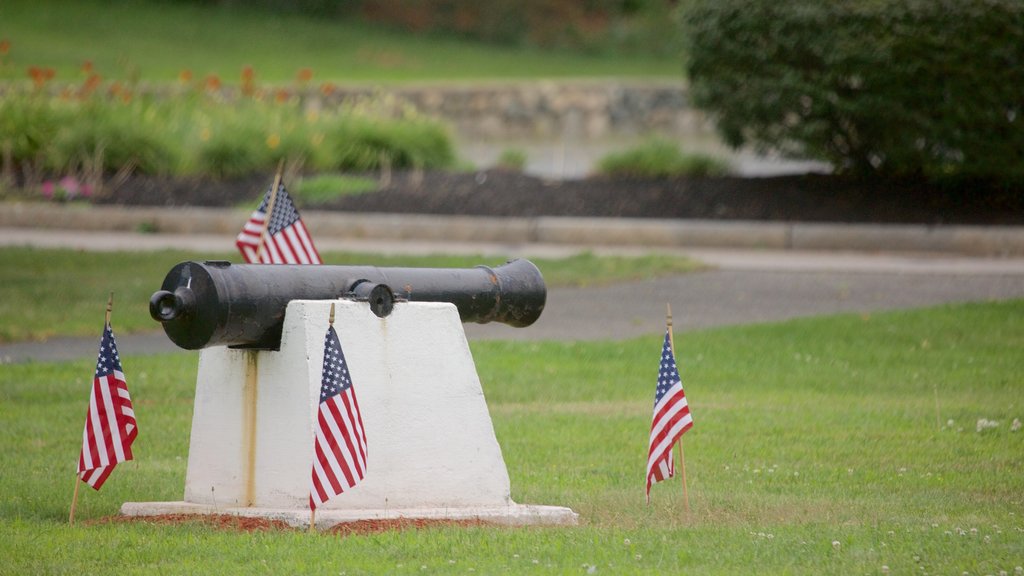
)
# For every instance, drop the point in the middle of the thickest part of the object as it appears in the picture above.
(243, 305)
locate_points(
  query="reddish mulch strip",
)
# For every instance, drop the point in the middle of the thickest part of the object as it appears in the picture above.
(245, 524)
(219, 521)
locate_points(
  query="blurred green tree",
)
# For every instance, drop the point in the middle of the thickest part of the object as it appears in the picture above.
(893, 87)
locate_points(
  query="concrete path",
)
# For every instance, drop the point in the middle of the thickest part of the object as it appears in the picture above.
(741, 287)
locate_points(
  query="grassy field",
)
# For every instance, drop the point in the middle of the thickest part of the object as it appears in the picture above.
(64, 292)
(841, 445)
(155, 41)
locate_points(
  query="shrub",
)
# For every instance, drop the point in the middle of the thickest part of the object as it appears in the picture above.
(512, 159)
(28, 125)
(368, 144)
(660, 158)
(233, 151)
(894, 87)
(110, 137)
(326, 187)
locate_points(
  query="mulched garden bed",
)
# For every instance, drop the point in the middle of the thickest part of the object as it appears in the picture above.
(800, 198)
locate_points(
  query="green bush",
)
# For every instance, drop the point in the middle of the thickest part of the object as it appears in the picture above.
(512, 159)
(368, 144)
(326, 187)
(660, 158)
(28, 126)
(891, 87)
(110, 137)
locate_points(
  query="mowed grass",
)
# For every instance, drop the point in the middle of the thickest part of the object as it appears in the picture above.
(155, 41)
(840, 445)
(48, 293)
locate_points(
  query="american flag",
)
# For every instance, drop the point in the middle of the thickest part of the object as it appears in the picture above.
(671, 419)
(339, 451)
(110, 426)
(286, 240)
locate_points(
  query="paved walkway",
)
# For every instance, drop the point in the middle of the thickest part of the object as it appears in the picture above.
(740, 287)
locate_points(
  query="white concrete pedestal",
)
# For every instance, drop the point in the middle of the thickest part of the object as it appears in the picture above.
(431, 448)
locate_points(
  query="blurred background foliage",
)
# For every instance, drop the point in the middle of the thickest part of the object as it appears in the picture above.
(591, 25)
(895, 88)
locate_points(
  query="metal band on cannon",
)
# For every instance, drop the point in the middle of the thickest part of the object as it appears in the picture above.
(243, 305)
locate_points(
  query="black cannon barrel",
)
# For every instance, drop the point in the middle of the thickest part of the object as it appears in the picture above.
(243, 305)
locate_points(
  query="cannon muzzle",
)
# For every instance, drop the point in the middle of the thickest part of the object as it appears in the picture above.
(243, 305)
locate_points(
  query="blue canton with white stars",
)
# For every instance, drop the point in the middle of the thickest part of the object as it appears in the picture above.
(108, 361)
(336, 378)
(668, 374)
(284, 211)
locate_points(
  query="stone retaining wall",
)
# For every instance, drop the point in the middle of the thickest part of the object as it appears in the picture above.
(541, 109)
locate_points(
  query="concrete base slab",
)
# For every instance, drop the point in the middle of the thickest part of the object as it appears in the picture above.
(510, 515)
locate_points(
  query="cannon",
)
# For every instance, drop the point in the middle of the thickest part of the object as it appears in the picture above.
(217, 303)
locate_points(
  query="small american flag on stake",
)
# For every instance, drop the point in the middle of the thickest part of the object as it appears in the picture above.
(110, 427)
(282, 237)
(339, 450)
(671, 418)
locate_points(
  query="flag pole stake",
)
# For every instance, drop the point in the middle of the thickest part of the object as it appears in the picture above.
(270, 208)
(74, 502)
(110, 308)
(682, 457)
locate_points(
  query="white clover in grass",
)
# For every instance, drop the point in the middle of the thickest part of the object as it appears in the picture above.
(950, 423)
(885, 569)
(1018, 571)
(985, 424)
(627, 542)
(836, 545)
(592, 570)
(638, 556)
(1016, 425)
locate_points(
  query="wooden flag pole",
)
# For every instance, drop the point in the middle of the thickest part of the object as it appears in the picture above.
(682, 457)
(74, 498)
(74, 501)
(270, 209)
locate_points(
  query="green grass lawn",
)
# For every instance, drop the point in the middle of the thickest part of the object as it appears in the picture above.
(154, 41)
(48, 293)
(839, 445)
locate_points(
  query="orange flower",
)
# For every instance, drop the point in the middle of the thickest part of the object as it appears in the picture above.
(87, 67)
(185, 76)
(38, 76)
(5, 47)
(248, 84)
(212, 82)
(282, 96)
(327, 88)
(304, 75)
(90, 84)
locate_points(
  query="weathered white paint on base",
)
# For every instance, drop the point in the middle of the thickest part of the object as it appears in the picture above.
(431, 444)
(511, 515)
